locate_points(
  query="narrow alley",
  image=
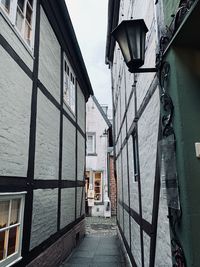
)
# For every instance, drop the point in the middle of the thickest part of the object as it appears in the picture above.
(100, 247)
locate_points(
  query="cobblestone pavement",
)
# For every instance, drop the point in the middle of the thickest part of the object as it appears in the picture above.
(100, 247)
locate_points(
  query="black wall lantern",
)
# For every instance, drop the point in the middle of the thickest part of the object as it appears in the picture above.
(131, 36)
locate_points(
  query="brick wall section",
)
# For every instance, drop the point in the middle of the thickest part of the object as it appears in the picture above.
(61, 249)
(113, 187)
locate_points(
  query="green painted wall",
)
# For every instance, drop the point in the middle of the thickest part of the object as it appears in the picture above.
(169, 8)
(184, 88)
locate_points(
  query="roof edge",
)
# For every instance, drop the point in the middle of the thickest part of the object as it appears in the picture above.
(101, 111)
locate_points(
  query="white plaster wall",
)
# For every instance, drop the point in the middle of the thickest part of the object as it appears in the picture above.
(47, 139)
(126, 227)
(147, 138)
(80, 195)
(146, 240)
(8, 31)
(15, 107)
(125, 176)
(134, 197)
(81, 157)
(69, 146)
(163, 246)
(67, 211)
(96, 123)
(44, 220)
(136, 242)
(49, 58)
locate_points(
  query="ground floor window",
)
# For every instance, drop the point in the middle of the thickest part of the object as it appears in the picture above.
(97, 186)
(11, 223)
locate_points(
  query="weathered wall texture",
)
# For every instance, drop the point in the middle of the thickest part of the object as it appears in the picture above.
(47, 139)
(50, 57)
(15, 117)
(69, 140)
(18, 44)
(44, 221)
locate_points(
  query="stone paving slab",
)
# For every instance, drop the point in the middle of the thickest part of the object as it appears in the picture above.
(100, 247)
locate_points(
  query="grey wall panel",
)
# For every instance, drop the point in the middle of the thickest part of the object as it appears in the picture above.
(136, 242)
(125, 176)
(49, 58)
(47, 139)
(44, 220)
(123, 132)
(146, 240)
(134, 195)
(80, 193)
(69, 147)
(81, 109)
(81, 157)
(83, 202)
(121, 217)
(126, 227)
(16, 41)
(118, 213)
(67, 212)
(163, 245)
(15, 108)
(119, 178)
(148, 136)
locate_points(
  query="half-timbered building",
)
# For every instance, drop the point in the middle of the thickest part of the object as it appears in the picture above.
(44, 88)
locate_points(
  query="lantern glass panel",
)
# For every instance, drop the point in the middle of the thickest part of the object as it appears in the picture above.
(121, 37)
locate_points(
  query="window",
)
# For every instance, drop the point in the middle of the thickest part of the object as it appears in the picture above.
(90, 143)
(11, 219)
(21, 15)
(69, 86)
(97, 186)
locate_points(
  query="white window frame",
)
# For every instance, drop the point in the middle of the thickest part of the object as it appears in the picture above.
(69, 86)
(12, 19)
(15, 257)
(93, 151)
(101, 186)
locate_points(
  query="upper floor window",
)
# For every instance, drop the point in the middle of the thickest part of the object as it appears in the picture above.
(21, 15)
(11, 219)
(69, 86)
(91, 143)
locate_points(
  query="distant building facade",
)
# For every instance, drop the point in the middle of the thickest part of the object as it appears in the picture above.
(44, 88)
(156, 132)
(98, 175)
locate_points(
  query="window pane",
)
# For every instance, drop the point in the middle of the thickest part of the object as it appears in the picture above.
(97, 175)
(29, 14)
(27, 34)
(20, 3)
(4, 210)
(12, 240)
(89, 144)
(30, 2)
(6, 5)
(19, 19)
(2, 246)
(15, 207)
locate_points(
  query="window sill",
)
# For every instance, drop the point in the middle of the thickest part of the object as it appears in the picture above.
(92, 154)
(16, 32)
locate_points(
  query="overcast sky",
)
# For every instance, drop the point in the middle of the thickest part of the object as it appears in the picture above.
(89, 18)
